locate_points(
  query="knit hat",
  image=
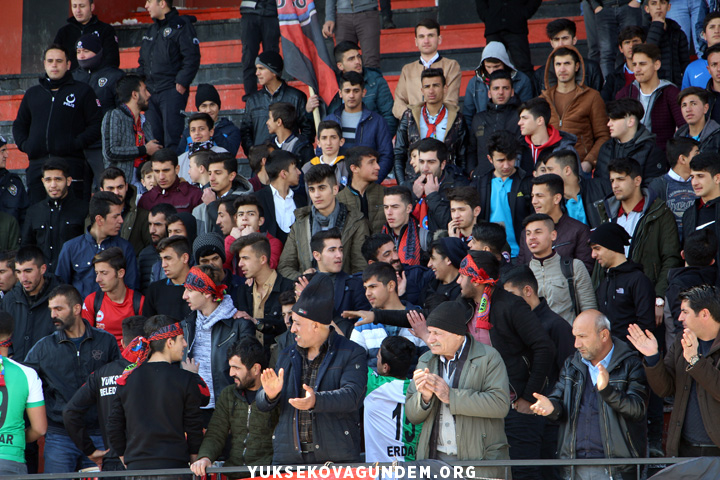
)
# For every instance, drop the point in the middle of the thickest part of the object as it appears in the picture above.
(272, 61)
(455, 249)
(206, 92)
(449, 316)
(89, 41)
(317, 300)
(611, 236)
(207, 244)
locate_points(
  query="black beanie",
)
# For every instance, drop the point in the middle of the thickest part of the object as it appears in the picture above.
(272, 61)
(455, 249)
(449, 316)
(317, 300)
(611, 236)
(206, 92)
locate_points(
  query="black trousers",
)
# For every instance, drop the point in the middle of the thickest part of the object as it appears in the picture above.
(254, 31)
(166, 116)
(518, 48)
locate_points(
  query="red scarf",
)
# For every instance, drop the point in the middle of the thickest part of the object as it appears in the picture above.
(139, 135)
(432, 127)
(478, 276)
(408, 246)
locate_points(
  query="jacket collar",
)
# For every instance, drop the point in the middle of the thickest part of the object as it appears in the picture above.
(61, 336)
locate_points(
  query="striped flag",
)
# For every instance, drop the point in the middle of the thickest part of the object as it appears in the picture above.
(304, 53)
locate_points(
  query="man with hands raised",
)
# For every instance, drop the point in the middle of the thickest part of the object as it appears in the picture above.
(689, 372)
(326, 381)
(600, 400)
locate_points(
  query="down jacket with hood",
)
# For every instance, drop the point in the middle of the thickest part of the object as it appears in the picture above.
(642, 147)
(593, 76)
(476, 93)
(585, 116)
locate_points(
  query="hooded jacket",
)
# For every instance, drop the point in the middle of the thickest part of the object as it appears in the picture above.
(627, 296)
(642, 147)
(673, 44)
(655, 243)
(585, 115)
(622, 406)
(593, 76)
(531, 153)
(665, 115)
(484, 123)
(69, 34)
(709, 136)
(169, 53)
(476, 93)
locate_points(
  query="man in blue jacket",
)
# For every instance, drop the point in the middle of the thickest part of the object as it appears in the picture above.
(326, 381)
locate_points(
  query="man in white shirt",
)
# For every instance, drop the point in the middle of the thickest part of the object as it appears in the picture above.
(279, 198)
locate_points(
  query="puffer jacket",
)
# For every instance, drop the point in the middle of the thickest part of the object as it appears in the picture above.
(296, 256)
(530, 153)
(673, 44)
(655, 244)
(479, 403)
(250, 430)
(409, 132)
(339, 392)
(642, 147)
(622, 403)
(585, 116)
(709, 136)
(483, 124)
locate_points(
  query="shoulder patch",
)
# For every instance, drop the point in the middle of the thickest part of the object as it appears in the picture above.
(102, 82)
(167, 31)
(13, 190)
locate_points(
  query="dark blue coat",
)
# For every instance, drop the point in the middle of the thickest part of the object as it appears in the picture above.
(349, 295)
(226, 135)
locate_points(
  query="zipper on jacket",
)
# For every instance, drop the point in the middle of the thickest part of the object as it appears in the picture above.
(227, 339)
(47, 127)
(247, 435)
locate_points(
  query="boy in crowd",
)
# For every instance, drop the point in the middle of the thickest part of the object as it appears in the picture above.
(225, 134)
(147, 179)
(257, 157)
(169, 189)
(363, 193)
(410, 239)
(697, 73)
(198, 163)
(670, 38)
(623, 74)
(202, 128)
(704, 212)
(464, 212)
(281, 124)
(694, 104)
(249, 217)
(540, 138)
(330, 140)
(165, 295)
(8, 279)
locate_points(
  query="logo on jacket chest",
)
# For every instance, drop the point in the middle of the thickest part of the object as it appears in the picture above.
(97, 354)
(70, 101)
(167, 32)
(102, 82)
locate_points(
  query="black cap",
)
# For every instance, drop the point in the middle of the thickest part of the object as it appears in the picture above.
(611, 236)
(449, 316)
(317, 300)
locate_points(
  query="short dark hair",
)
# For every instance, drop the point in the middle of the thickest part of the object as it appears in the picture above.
(165, 155)
(382, 271)
(330, 125)
(520, 277)
(344, 47)
(277, 161)
(624, 107)
(319, 173)
(128, 84)
(625, 166)
(553, 182)
(487, 261)
(537, 107)
(204, 117)
(398, 353)
(164, 208)
(701, 93)
(178, 243)
(700, 248)
(492, 234)
(355, 155)
(8, 256)
(285, 112)
(433, 73)
(153, 324)
(317, 242)
(111, 173)
(57, 46)
(429, 23)
(650, 50)
(715, 48)
(28, 253)
(230, 163)
(501, 74)
(539, 217)
(466, 194)
(565, 158)
(503, 142)
(433, 145)
(229, 203)
(706, 162)
(559, 25)
(100, 204)
(202, 158)
(353, 78)
(709, 18)
(250, 352)
(133, 327)
(56, 164)
(70, 293)
(701, 298)
(113, 256)
(249, 199)
(403, 192)
(630, 32)
(564, 51)
(287, 298)
(256, 155)
(372, 244)
(677, 146)
(257, 241)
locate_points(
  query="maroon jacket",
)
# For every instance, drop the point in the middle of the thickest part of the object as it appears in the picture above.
(181, 195)
(665, 116)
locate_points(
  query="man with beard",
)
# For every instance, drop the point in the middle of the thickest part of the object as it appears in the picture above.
(250, 429)
(149, 256)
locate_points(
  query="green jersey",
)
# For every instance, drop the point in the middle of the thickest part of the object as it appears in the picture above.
(22, 389)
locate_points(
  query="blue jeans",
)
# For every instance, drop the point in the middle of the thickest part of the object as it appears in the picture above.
(687, 14)
(62, 455)
(615, 16)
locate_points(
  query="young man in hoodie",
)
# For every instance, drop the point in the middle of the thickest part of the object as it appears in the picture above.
(697, 74)
(630, 138)
(670, 38)
(494, 58)
(541, 138)
(576, 108)
(501, 114)
(282, 125)
(658, 97)
(694, 104)
(704, 212)
(225, 134)
(210, 330)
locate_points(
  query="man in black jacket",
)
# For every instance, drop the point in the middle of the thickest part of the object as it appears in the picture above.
(63, 361)
(58, 118)
(85, 22)
(99, 391)
(169, 60)
(667, 34)
(319, 386)
(13, 196)
(600, 400)
(704, 212)
(157, 227)
(60, 217)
